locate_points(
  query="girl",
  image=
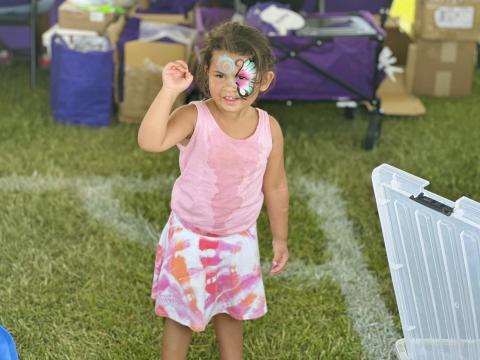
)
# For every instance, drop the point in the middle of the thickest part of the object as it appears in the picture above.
(231, 157)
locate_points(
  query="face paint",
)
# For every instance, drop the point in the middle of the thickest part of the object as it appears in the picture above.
(226, 65)
(245, 78)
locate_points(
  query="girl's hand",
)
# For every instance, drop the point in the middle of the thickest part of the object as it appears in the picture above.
(280, 256)
(176, 77)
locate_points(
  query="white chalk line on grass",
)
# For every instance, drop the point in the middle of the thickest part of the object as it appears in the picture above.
(372, 321)
(103, 207)
(36, 183)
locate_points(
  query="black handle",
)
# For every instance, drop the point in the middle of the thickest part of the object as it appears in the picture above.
(433, 204)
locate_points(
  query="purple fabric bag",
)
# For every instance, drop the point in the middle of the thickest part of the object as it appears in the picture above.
(81, 85)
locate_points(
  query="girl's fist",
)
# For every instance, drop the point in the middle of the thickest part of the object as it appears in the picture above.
(280, 256)
(176, 76)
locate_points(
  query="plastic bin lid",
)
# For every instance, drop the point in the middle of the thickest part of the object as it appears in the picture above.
(433, 250)
(7, 346)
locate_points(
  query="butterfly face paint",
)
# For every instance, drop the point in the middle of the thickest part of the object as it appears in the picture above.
(241, 73)
(246, 78)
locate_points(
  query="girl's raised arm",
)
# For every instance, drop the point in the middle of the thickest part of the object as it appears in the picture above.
(159, 130)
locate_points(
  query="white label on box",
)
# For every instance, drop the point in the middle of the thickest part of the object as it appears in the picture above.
(454, 17)
(97, 16)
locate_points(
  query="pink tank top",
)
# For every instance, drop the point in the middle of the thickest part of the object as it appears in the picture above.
(219, 190)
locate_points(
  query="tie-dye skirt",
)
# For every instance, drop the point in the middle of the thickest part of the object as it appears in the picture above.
(197, 276)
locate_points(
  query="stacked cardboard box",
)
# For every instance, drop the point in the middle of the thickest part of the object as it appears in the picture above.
(143, 64)
(441, 59)
(395, 99)
(72, 16)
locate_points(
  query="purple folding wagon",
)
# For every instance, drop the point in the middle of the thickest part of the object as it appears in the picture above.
(333, 58)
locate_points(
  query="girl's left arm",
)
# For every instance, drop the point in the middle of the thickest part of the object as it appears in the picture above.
(275, 190)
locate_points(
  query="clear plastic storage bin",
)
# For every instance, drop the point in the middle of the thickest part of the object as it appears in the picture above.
(433, 250)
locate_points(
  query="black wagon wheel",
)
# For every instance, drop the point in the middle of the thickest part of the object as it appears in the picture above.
(373, 131)
(349, 113)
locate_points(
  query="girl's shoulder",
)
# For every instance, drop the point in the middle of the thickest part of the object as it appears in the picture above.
(274, 125)
(276, 132)
(186, 111)
(186, 114)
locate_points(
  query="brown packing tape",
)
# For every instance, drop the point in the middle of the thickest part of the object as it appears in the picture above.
(442, 83)
(410, 67)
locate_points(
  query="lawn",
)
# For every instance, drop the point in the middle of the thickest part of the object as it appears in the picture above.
(81, 209)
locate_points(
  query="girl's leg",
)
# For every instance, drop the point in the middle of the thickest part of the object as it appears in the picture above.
(176, 340)
(229, 332)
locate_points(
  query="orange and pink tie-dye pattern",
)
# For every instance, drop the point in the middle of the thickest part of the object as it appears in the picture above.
(198, 276)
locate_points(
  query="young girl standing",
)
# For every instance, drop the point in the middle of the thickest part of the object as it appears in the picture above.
(231, 158)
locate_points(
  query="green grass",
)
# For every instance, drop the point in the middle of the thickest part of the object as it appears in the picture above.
(73, 288)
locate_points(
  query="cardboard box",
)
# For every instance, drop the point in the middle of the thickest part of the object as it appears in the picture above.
(396, 100)
(141, 86)
(448, 20)
(441, 68)
(143, 64)
(439, 19)
(71, 17)
(143, 76)
(397, 40)
(186, 19)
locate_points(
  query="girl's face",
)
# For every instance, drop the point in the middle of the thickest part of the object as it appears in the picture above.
(232, 81)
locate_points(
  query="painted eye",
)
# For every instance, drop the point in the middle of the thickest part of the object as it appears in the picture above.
(242, 77)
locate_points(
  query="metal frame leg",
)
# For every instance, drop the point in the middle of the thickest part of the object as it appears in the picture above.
(33, 43)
